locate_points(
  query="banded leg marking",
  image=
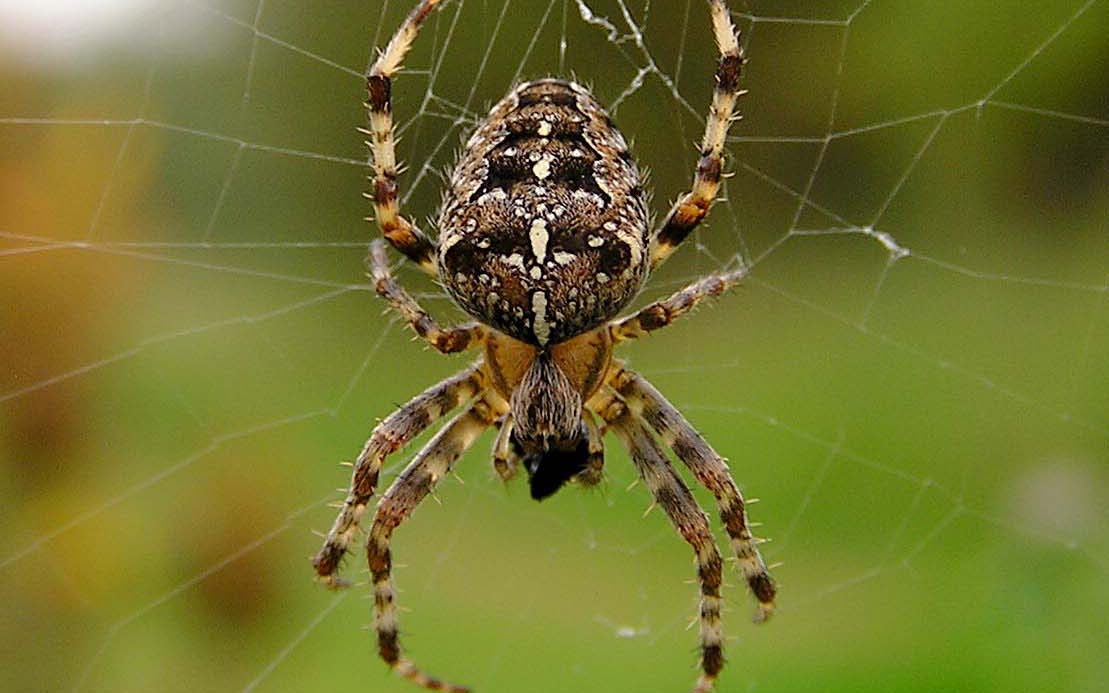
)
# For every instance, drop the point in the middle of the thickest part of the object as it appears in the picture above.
(692, 207)
(402, 233)
(417, 480)
(673, 496)
(389, 436)
(710, 470)
(447, 340)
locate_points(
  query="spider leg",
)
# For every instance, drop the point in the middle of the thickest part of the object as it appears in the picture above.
(447, 340)
(710, 470)
(402, 233)
(390, 435)
(673, 496)
(661, 313)
(593, 473)
(506, 462)
(692, 207)
(418, 479)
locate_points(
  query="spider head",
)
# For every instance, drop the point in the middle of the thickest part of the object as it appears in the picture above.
(548, 432)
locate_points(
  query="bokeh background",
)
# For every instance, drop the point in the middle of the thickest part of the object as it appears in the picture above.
(915, 379)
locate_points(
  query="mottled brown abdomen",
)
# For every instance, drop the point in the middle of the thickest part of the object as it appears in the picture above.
(543, 233)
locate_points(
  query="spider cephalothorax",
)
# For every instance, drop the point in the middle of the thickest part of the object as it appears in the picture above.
(546, 389)
(543, 238)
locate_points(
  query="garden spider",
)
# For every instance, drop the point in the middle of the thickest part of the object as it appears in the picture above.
(543, 238)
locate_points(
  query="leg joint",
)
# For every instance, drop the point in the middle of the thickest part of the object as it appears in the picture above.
(379, 558)
(712, 659)
(388, 646)
(728, 73)
(380, 89)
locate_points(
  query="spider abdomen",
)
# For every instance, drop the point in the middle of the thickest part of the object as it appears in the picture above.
(543, 232)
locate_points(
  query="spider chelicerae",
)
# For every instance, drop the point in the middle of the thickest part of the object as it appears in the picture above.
(543, 238)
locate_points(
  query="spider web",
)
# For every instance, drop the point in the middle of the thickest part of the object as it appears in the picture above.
(913, 379)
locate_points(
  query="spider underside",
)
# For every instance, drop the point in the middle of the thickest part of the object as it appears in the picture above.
(543, 238)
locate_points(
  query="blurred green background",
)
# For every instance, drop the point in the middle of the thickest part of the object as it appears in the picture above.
(190, 349)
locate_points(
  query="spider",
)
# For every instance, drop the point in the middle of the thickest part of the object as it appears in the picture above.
(543, 238)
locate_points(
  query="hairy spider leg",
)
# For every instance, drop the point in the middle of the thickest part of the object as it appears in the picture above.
(418, 479)
(506, 461)
(673, 496)
(448, 340)
(389, 436)
(692, 207)
(710, 470)
(402, 233)
(593, 473)
(661, 313)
